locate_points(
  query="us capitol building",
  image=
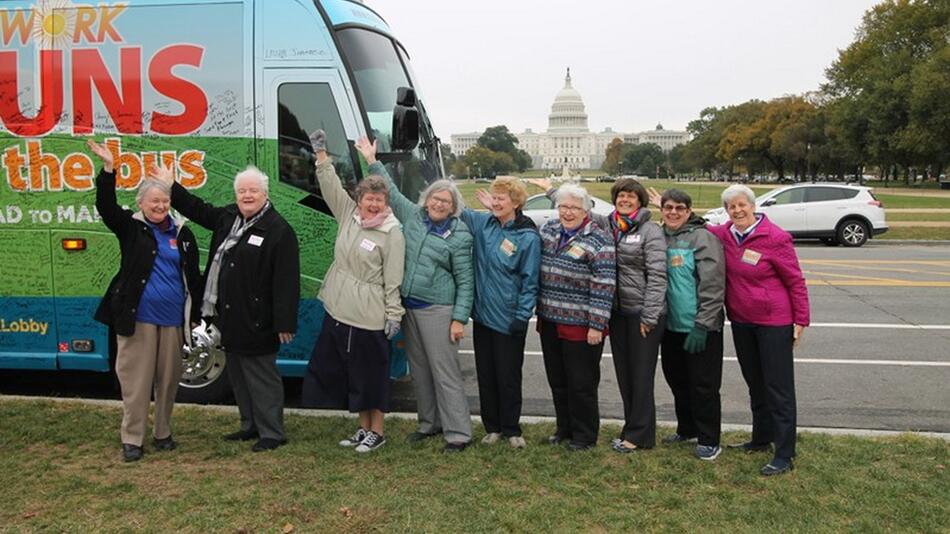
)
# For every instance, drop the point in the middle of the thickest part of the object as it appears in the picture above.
(568, 142)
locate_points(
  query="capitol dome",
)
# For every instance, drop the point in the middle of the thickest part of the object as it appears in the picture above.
(567, 111)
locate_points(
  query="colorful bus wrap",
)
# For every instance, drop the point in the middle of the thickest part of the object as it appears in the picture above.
(207, 87)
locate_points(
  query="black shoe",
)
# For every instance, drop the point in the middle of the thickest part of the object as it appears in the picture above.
(164, 444)
(577, 446)
(676, 437)
(267, 444)
(777, 466)
(416, 437)
(132, 453)
(241, 435)
(455, 446)
(557, 439)
(749, 447)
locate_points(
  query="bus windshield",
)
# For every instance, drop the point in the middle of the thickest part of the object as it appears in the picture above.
(378, 70)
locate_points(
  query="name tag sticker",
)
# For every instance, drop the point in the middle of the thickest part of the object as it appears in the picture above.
(635, 238)
(255, 240)
(676, 261)
(172, 242)
(575, 252)
(751, 257)
(508, 248)
(446, 234)
(367, 245)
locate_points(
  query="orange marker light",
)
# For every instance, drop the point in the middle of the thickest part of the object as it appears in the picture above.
(74, 244)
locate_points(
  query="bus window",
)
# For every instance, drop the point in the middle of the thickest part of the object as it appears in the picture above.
(378, 73)
(301, 109)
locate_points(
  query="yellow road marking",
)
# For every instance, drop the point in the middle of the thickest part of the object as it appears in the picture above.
(885, 269)
(874, 283)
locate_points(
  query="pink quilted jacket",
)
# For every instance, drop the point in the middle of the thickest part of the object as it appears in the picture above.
(764, 283)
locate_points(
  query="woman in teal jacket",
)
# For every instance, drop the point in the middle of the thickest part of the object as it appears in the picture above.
(437, 290)
(507, 263)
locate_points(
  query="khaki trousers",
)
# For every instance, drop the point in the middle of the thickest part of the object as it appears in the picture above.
(148, 360)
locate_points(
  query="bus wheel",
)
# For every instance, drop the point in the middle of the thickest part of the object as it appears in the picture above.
(203, 380)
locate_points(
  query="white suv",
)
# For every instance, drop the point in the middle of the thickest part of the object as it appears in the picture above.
(835, 213)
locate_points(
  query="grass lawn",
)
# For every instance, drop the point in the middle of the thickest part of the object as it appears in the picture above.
(891, 216)
(905, 201)
(916, 232)
(60, 471)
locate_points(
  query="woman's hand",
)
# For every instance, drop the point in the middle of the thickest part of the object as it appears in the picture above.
(797, 332)
(367, 149)
(456, 331)
(318, 142)
(484, 197)
(286, 337)
(594, 337)
(645, 329)
(655, 197)
(104, 154)
(163, 174)
(543, 183)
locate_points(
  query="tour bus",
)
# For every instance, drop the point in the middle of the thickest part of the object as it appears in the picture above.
(208, 87)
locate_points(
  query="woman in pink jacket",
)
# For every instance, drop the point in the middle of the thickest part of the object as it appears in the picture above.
(767, 302)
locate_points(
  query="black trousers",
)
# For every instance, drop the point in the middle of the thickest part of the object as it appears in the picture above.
(765, 357)
(573, 370)
(635, 364)
(498, 361)
(695, 380)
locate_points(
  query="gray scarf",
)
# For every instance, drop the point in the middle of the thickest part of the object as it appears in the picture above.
(211, 284)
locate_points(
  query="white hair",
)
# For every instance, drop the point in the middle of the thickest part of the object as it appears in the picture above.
(150, 183)
(252, 172)
(734, 191)
(444, 185)
(575, 191)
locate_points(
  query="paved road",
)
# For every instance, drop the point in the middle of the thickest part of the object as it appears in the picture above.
(877, 357)
(864, 364)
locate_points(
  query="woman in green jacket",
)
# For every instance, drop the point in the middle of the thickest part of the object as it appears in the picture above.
(437, 290)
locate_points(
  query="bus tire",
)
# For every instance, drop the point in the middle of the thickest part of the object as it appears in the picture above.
(203, 379)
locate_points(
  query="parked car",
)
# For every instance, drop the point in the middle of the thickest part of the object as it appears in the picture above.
(848, 215)
(541, 208)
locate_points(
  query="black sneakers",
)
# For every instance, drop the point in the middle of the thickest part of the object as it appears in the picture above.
(777, 466)
(371, 442)
(355, 439)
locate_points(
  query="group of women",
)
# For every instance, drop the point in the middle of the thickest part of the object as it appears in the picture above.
(425, 268)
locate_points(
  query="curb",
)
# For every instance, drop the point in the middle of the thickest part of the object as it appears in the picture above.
(529, 419)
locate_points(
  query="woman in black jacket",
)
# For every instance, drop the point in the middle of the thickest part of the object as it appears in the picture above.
(148, 303)
(252, 291)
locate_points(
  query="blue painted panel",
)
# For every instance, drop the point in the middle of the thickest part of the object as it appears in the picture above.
(27, 333)
(74, 321)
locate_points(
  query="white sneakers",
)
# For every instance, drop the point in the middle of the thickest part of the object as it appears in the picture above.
(516, 442)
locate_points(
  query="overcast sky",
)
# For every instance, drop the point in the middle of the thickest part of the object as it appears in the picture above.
(635, 62)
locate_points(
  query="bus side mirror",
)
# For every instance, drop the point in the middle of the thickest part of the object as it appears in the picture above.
(405, 121)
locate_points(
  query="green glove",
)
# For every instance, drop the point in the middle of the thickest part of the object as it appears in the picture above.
(695, 340)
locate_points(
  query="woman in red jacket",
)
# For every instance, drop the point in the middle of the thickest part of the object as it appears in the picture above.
(767, 302)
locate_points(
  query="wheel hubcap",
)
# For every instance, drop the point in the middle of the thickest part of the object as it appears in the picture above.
(853, 233)
(201, 367)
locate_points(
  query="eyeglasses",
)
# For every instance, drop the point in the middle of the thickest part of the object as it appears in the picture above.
(574, 209)
(668, 208)
(440, 201)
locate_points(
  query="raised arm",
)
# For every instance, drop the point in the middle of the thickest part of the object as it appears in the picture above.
(114, 217)
(402, 207)
(332, 190)
(189, 205)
